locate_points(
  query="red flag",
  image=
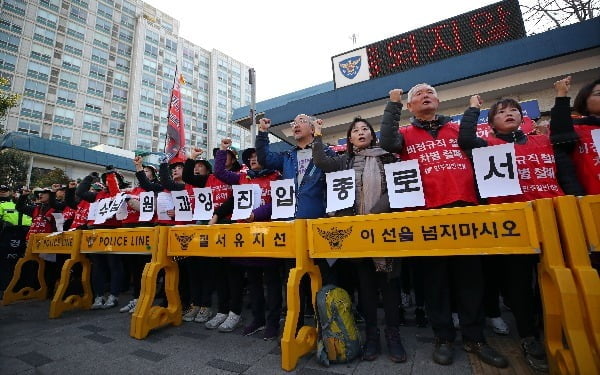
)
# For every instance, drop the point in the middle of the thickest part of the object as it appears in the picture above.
(175, 127)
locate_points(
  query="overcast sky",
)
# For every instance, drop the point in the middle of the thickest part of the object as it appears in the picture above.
(290, 43)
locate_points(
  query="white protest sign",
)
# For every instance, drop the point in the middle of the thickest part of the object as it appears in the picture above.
(496, 170)
(596, 139)
(92, 211)
(341, 189)
(164, 203)
(283, 199)
(103, 210)
(245, 199)
(183, 205)
(147, 206)
(404, 184)
(204, 207)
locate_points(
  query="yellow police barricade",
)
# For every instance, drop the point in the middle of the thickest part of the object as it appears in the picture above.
(272, 240)
(44, 243)
(146, 316)
(590, 215)
(575, 249)
(516, 228)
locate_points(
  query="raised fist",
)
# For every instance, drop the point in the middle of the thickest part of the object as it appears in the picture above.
(396, 95)
(225, 143)
(475, 101)
(562, 87)
(264, 124)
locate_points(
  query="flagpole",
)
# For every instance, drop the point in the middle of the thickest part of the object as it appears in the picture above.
(169, 109)
(252, 82)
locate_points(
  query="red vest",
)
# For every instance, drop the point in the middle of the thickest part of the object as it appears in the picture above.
(41, 223)
(81, 214)
(587, 160)
(446, 171)
(68, 213)
(536, 169)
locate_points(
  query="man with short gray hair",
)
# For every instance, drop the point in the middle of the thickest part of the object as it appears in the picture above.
(448, 181)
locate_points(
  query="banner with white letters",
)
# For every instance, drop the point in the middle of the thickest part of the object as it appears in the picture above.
(404, 184)
(283, 199)
(341, 189)
(496, 170)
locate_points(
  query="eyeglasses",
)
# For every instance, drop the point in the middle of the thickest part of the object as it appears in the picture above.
(299, 122)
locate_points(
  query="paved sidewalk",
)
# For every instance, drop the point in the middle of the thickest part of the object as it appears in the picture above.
(98, 342)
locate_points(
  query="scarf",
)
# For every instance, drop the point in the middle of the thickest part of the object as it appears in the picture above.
(254, 174)
(368, 184)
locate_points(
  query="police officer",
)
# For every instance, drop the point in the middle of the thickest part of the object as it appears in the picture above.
(13, 227)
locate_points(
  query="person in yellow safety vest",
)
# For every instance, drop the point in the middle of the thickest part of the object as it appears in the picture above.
(13, 228)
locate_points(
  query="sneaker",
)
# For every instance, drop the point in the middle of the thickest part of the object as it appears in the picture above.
(372, 346)
(498, 325)
(535, 354)
(231, 323)
(253, 328)
(98, 303)
(190, 315)
(443, 352)
(455, 320)
(129, 307)
(203, 315)
(271, 333)
(216, 321)
(111, 301)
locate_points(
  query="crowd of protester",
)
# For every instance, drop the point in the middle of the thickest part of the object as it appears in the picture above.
(452, 293)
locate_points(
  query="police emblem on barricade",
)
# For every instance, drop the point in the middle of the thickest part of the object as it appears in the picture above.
(350, 66)
(90, 240)
(335, 236)
(184, 240)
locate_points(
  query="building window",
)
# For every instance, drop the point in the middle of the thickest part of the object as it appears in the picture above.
(46, 18)
(99, 56)
(170, 59)
(71, 63)
(95, 88)
(44, 35)
(89, 139)
(151, 36)
(115, 142)
(29, 127)
(66, 97)
(127, 21)
(73, 46)
(51, 4)
(150, 50)
(121, 80)
(38, 71)
(149, 80)
(171, 44)
(68, 80)
(78, 14)
(150, 66)
(41, 53)
(31, 108)
(60, 133)
(118, 111)
(145, 128)
(146, 111)
(116, 127)
(119, 95)
(103, 25)
(129, 8)
(93, 105)
(97, 71)
(124, 49)
(10, 23)
(15, 6)
(9, 42)
(35, 89)
(7, 62)
(92, 122)
(101, 40)
(126, 35)
(144, 144)
(122, 64)
(81, 3)
(148, 96)
(75, 30)
(105, 10)
(64, 116)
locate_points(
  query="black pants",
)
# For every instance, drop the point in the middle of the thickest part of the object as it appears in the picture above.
(370, 284)
(270, 277)
(230, 286)
(12, 248)
(464, 274)
(412, 276)
(515, 277)
(135, 267)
